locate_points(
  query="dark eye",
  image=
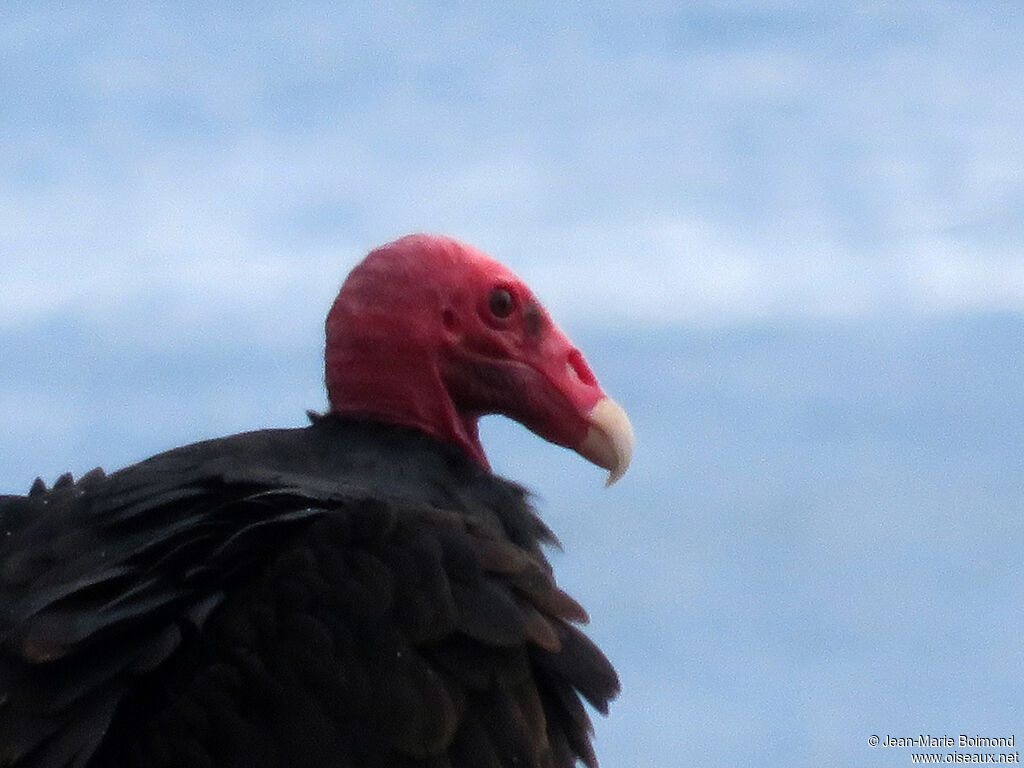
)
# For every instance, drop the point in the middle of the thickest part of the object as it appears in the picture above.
(502, 303)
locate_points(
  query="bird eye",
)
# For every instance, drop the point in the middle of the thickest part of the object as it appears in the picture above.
(502, 303)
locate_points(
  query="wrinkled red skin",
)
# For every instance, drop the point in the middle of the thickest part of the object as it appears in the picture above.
(413, 339)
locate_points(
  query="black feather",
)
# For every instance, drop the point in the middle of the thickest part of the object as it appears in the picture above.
(347, 595)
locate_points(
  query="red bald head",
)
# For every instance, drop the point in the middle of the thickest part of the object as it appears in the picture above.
(432, 333)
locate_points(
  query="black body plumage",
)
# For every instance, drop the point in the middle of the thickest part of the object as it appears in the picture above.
(346, 595)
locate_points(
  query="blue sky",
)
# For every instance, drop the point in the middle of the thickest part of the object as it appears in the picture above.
(728, 161)
(787, 235)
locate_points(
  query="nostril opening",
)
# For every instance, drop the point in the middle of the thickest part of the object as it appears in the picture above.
(580, 369)
(449, 320)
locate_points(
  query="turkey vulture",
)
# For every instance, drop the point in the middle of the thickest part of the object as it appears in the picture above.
(358, 593)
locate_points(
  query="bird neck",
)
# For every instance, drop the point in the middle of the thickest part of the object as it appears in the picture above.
(405, 389)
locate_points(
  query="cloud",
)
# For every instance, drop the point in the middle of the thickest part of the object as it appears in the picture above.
(726, 163)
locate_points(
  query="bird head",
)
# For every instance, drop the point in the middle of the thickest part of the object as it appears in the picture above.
(431, 333)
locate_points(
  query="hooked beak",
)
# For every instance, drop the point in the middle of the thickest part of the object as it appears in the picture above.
(609, 439)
